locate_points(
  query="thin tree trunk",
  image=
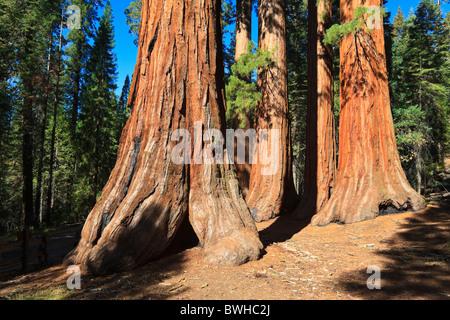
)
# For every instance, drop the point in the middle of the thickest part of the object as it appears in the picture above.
(37, 204)
(73, 132)
(49, 206)
(27, 160)
(419, 162)
(76, 96)
(178, 80)
(370, 179)
(46, 87)
(274, 193)
(320, 165)
(27, 144)
(96, 173)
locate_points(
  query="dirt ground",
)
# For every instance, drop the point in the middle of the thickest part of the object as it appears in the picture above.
(412, 251)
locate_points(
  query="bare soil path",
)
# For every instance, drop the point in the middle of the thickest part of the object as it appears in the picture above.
(411, 249)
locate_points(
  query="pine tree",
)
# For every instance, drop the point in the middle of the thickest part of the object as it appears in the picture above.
(97, 138)
(242, 96)
(78, 53)
(297, 52)
(428, 56)
(409, 119)
(228, 21)
(6, 113)
(57, 100)
(133, 14)
(33, 45)
(29, 28)
(123, 111)
(420, 99)
(446, 82)
(242, 93)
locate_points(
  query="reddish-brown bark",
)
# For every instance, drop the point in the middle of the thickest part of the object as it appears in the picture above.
(320, 164)
(178, 80)
(274, 194)
(243, 26)
(370, 179)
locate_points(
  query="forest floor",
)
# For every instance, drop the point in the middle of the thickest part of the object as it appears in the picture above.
(411, 249)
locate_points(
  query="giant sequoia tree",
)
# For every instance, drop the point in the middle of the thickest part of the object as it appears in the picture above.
(178, 80)
(370, 179)
(243, 26)
(272, 194)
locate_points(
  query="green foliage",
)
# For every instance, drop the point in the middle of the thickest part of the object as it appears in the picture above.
(228, 33)
(338, 31)
(81, 90)
(297, 57)
(77, 53)
(419, 86)
(241, 90)
(133, 14)
(97, 137)
(28, 41)
(410, 131)
(90, 118)
(123, 111)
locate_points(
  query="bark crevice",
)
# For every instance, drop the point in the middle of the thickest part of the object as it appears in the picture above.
(180, 85)
(369, 167)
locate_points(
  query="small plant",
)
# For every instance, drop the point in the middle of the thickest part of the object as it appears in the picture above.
(242, 92)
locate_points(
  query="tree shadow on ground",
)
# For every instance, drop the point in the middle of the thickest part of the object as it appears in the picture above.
(284, 228)
(148, 282)
(417, 260)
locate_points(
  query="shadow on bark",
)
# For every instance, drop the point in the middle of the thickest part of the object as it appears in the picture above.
(418, 260)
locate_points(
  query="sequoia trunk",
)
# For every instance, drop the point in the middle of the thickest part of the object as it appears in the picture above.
(272, 191)
(320, 164)
(370, 179)
(243, 26)
(178, 80)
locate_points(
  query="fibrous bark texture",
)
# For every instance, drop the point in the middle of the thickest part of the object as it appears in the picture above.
(370, 179)
(272, 194)
(320, 164)
(243, 26)
(178, 80)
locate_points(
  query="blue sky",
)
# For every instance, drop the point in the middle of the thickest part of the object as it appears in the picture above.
(406, 6)
(126, 51)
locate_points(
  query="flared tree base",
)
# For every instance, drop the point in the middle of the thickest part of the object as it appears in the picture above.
(351, 203)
